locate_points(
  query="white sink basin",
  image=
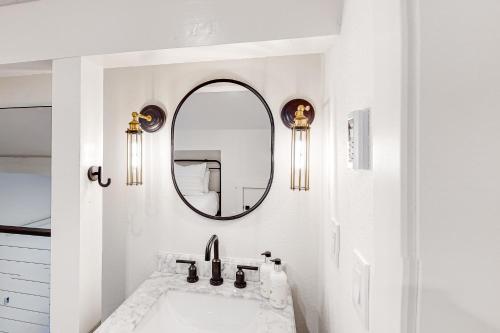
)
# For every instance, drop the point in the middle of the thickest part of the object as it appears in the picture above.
(180, 312)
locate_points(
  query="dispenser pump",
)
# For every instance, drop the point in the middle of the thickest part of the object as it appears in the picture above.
(265, 275)
(277, 264)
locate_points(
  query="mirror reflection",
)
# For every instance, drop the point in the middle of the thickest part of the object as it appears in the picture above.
(222, 149)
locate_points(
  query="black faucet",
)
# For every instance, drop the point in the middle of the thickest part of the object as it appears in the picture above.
(216, 279)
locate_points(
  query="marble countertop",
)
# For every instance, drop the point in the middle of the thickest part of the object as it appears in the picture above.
(126, 318)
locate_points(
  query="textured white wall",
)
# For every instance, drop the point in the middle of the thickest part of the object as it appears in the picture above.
(139, 221)
(51, 29)
(458, 53)
(364, 70)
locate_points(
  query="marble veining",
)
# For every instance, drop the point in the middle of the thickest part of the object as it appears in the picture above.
(126, 318)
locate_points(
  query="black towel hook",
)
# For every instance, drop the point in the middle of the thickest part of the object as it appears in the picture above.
(95, 173)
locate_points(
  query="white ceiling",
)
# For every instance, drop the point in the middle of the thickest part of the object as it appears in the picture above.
(56, 29)
(275, 48)
(263, 49)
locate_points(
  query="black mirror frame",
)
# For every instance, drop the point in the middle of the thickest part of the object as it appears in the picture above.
(172, 145)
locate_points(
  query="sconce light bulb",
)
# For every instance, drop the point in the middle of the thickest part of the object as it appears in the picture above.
(134, 158)
(300, 151)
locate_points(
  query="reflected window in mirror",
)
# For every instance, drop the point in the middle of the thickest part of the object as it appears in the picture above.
(222, 149)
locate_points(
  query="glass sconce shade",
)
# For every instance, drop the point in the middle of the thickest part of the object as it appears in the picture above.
(300, 158)
(150, 119)
(134, 157)
(298, 114)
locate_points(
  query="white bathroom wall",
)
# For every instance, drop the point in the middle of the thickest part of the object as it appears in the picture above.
(364, 70)
(51, 29)
(139, 221)
(457, 53)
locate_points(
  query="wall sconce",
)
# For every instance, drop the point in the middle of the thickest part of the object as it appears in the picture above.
(298, 115)
(150, 119)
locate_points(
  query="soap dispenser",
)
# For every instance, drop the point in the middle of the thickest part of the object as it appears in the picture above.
(279, 286)
(265, 275)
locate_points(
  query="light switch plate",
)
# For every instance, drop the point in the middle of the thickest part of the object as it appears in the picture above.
(361, 288)
(336, 243)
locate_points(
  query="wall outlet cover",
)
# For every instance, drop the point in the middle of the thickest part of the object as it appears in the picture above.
(361, 288)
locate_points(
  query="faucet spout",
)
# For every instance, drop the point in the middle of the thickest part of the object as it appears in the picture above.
(208, 250)
(216, 279)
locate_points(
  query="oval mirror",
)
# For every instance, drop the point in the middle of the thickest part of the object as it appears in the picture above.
(222, 149)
